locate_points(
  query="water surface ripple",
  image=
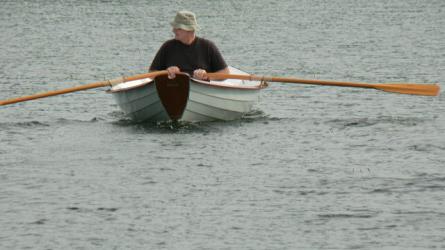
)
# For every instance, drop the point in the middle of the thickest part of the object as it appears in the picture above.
(311, 168)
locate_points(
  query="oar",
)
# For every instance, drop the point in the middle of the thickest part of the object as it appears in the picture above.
(402, 88)
(83, 87)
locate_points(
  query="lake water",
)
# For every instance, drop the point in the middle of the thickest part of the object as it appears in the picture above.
(311, 168)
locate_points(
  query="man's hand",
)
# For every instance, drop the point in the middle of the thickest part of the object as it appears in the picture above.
(200, 74)
(172, 71)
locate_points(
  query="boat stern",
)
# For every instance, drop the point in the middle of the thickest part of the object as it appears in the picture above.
(173, 93)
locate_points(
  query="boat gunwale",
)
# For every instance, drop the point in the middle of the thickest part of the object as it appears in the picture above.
(219, 85)
(132, 87)
(193, 80)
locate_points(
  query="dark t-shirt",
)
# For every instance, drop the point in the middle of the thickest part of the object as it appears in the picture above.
(201, 54)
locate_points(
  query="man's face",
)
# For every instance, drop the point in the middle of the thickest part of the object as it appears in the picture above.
(182, 35)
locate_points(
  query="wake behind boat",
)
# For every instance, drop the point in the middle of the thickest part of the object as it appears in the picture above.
(187, 99)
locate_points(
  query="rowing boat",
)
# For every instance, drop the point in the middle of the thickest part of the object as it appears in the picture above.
(187, 99)
(184, 98)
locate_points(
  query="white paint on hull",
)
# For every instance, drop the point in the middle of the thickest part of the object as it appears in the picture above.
(217, 100)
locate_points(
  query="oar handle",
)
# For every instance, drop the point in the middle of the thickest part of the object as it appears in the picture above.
(83, 87)
(402, 88)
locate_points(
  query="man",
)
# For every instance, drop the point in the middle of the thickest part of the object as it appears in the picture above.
(188, 52)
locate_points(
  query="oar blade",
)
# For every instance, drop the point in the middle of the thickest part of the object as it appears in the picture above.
(410, 89)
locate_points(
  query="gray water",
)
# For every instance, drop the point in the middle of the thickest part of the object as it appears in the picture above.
(311, 168)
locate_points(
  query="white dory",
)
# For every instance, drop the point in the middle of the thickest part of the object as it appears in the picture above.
(187, 99)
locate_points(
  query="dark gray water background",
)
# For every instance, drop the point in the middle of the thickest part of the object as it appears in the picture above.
(311, 168)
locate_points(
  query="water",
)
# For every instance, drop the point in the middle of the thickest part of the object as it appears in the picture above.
(311, 168)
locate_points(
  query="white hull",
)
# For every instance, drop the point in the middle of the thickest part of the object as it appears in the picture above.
(217, 100)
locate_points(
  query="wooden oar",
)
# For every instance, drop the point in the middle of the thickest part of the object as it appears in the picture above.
(83, 87)
(402, 88)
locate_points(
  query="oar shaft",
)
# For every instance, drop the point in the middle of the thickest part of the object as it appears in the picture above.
(144, 75)
(82, 87)
(321, 82)
(55, 92)
(402, 88)
(289, 80)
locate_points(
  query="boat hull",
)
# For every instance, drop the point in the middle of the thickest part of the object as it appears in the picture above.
(143, 100)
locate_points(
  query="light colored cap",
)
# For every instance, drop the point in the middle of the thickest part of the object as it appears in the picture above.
(185, 20)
